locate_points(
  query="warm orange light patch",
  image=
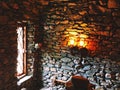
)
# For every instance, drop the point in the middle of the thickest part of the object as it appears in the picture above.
(73, 33)
(81, 43)
(77, 42)
(72, 42)
(76, 39)
(83, 36)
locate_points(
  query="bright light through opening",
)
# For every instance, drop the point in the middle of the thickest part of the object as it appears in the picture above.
(20, 51)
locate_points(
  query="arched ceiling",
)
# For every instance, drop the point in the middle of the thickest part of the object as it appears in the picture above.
(30, 9)
(23, 9)
(15, 10)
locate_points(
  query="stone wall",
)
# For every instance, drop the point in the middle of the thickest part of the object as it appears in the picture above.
(100, 72)
(30, 47)
(96, 19)
(99, 20)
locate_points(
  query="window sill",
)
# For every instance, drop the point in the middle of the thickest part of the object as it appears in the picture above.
(22, 80)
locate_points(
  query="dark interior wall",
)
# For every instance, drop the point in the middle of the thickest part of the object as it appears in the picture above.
(8, 54)
(8, 57)
(9, 16)
(97, 19)
(10, 13)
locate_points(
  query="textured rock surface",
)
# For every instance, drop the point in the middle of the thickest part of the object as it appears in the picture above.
(93, 18)
(101, 72)
(99, 19)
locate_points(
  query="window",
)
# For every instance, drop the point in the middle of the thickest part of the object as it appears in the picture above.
(21, 47)
(25, 47)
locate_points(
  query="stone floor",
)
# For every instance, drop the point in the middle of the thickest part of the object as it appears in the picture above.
(59, 87)
(65, 89)
(46, 89)
(62, 88)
